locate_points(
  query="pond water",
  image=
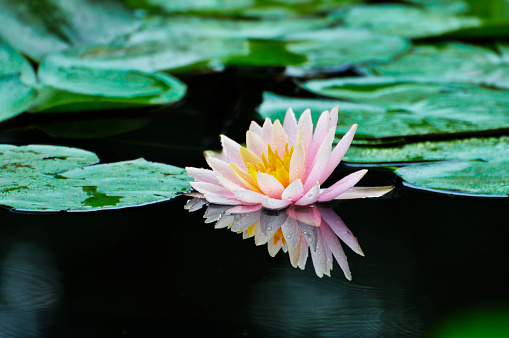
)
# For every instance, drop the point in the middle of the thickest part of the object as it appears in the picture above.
(434, 263)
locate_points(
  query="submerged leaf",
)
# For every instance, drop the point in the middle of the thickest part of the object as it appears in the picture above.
(38, 178)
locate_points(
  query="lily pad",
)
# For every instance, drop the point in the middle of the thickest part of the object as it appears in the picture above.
(484, 149)
(481, 178)
(407, 21)
(417, 110)
(16, 80)
(50, 178)
(329, 50)
(65, 86)
(449, 62)
(37, 28)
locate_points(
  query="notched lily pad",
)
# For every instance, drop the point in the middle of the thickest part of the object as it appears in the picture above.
(479, 178)
(50, 178)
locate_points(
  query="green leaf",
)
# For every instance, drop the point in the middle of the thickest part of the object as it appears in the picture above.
(417, 109)
(242, 8)
(16, 80)
(460, 177)
(449, 62)
(459, 149)
(65, 86)
(331, 49)
(39, 178)
(436, 110)
(37, 28)
(410, 22)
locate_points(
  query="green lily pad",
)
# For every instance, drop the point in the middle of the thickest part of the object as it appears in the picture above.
(407, 21)
(16, 80)
(484, 149)
(489, 178)
(330, 49)
(65, 86)
(450, 62)
(417, 110)
(50, 178)
(37, 28)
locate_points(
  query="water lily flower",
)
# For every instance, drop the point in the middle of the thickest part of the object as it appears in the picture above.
(281, 165)
(299, 231)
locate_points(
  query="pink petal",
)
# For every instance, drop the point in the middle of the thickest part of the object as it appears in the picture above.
(210, 188)
(255, 143)
(310, 197)
(291, 232)
(295, 254)
(278, 138)
(320, 162)
(202, 175)
(269, 185)
(249, 196)
(243, 221)
(306, 123)
(242, 209)
(363, 192)
(195, 204)
(319, 257)
(340, 229)
(298, 163)
(221, 168)
(333, 118)
(224, 222)
(217, 199)
(293, 191)
(267, 131)
(274, 247)
(194, 194)
(338, 153)
(232, 187)
(255, 128)
(346, 183)
(306, 215)
(274, 204)
(303, 253)
(290, 126)
(321, 130)
(334, 245)
(232, 150)
(270, 223)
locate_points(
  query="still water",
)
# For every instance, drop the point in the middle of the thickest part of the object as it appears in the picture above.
(431, 260)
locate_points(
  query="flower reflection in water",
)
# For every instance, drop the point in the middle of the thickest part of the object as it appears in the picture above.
(292, 230)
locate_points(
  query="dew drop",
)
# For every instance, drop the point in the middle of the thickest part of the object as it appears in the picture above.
(269, 228)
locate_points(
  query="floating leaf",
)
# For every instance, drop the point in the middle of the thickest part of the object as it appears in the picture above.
(449, 62)
(446, 6)
(330, 49)
(41, 27)
(437, 110)
(16, 80)
(463, 177)
(38, 178)
(407, 21)
(458, 149)
(411, 109)
(66, 86)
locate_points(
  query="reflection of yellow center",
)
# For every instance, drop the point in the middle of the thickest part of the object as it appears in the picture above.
(272, 164)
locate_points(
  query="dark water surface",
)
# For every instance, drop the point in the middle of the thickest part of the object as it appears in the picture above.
(159, 271)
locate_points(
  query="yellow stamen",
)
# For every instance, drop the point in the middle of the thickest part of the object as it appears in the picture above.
(272, 164)
(278, 236)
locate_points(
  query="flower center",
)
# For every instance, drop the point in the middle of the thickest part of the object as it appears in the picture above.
(272, 164)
